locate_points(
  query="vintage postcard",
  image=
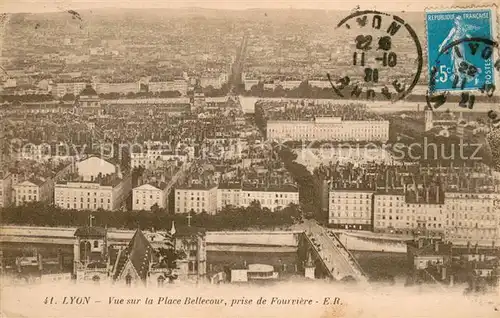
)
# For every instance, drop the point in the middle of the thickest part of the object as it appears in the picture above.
(291, 158)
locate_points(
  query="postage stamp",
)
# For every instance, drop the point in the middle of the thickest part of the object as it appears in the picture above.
(460, 48)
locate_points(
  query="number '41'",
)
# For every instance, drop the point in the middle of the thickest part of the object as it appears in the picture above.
(48, 300)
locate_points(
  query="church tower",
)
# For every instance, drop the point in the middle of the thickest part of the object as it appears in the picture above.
(88, 102)
(198, 96)
(90, 252)
(428, 118)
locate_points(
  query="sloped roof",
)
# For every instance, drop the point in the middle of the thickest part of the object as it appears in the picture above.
(139, 252)
(183, 230)
(88, 91)
(87, 231)
(234, 185)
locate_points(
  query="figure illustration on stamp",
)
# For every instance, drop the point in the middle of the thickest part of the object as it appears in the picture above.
(458, 32)
(460, 49)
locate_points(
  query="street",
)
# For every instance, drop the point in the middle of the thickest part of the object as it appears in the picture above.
(338, 260)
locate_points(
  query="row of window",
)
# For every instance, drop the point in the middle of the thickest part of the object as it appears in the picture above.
(344, 207)
(150, 196)
(184, 210)
(354, 215)
(26, 198)
(340, 201)
(268, 201)
(81, 193)
(382, 224)
(83, 206)
(352, 196)
(22, 190)
(81, 199)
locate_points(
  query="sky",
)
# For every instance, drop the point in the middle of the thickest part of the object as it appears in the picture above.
(33, 6)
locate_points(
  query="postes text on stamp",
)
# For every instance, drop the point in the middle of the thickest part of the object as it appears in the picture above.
(459, 49)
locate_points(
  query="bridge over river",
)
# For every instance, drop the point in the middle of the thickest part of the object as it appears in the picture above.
(241, 241)
(326, 248)
(310, 240)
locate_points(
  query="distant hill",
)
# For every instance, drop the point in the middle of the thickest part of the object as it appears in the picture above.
(278, 15)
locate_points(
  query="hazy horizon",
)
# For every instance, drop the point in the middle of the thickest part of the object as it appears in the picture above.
(42, 6)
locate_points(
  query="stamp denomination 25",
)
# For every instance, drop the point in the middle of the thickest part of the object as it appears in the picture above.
(460, 51)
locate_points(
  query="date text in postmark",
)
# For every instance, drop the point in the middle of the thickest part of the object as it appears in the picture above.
(381, 57)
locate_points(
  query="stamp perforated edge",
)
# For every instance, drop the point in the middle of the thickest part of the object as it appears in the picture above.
(495, 33)
(495, 132)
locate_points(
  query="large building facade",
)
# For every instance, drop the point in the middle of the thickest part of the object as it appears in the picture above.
(150, 159)
(97, 184)
(5, 189)
(331, 128)
(272, 198)
(34, 190)
(196, 197)
(92, 195)
(351, 209)
(148, 195)
(228, 195)
(394, 213)
(472, 217)
(460, 217)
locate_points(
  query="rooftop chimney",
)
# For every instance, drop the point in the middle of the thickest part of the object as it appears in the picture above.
(387, 181)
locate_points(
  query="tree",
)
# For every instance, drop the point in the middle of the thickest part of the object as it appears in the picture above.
(68, 97)
(254, 205)
(155, 208)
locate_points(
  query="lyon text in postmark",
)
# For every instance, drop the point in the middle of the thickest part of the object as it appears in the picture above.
(381, 57)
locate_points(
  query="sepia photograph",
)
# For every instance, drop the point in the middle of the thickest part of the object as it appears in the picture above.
(217, 158)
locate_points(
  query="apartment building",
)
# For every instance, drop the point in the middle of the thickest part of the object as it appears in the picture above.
(108, 193)
(196, 197)
(35, 189)
(228, 194)
(43, 152)
(461, 218)
(328, 128)
(271, 197)
(472, 217)
(150, 159)
(95, 184)
(147, 195)
(350, 209)
(393, 213)
(176, 85)
(63, 88)
(249, 83)
(216, 80)
(5, 188)
(121, 88)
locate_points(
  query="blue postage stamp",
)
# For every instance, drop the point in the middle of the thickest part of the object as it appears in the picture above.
(460, 49)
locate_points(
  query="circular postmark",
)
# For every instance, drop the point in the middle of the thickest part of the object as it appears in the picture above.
(464, 63)
(382, 59)
(471, 82)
